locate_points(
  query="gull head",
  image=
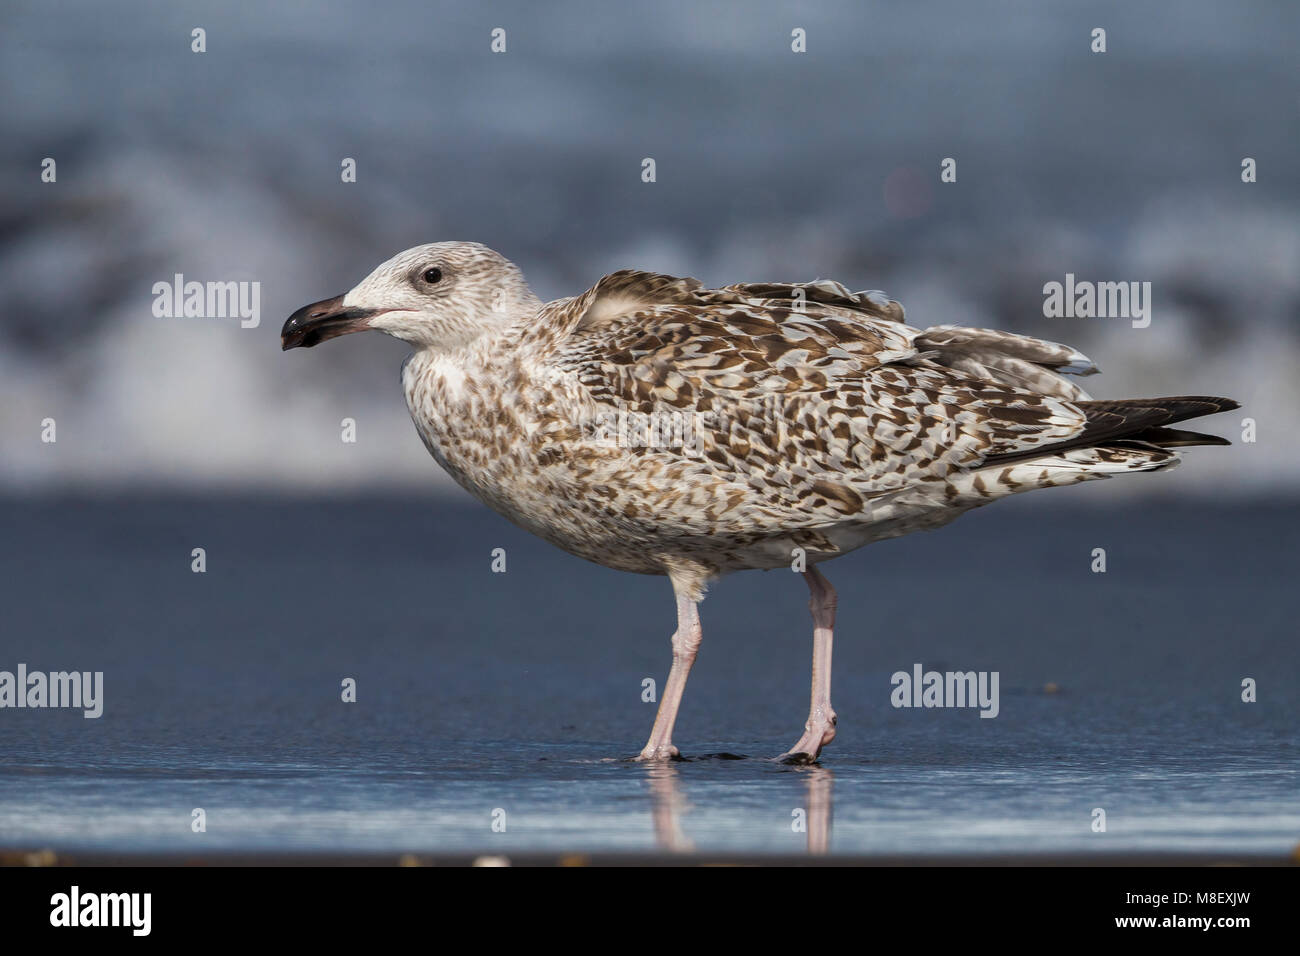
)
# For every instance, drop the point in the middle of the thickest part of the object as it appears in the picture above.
(442, 295)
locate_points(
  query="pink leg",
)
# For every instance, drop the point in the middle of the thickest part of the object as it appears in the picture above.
(686, 641)
(820, 729)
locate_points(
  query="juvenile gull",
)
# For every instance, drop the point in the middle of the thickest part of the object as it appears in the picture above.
(803, 421)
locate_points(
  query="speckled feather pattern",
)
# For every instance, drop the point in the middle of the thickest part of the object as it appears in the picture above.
(817, 420)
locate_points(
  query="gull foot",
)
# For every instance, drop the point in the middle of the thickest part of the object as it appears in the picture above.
(809, 747)
(660, 753)
(797, 758)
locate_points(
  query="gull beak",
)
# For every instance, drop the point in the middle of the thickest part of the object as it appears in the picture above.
(313, 324)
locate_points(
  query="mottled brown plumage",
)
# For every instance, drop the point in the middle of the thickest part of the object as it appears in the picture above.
(653, 425)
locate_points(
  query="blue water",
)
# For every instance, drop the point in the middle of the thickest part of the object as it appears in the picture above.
(521, 692)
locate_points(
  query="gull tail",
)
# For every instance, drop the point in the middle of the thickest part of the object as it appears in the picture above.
(1144, 420)
(1135, 423)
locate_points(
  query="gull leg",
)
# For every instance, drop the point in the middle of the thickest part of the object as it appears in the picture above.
(686, 641)
(820, 729)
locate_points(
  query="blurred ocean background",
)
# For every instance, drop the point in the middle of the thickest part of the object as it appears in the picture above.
(521, 691)
(225, 166)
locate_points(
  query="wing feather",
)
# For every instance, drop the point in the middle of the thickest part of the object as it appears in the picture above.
(807, 391)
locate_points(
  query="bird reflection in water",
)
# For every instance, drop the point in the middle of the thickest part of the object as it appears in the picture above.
(669, 806)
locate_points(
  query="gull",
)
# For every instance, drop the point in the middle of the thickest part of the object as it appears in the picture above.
(653, 425)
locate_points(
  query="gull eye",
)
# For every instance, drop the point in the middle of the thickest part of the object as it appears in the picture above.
(432, 275)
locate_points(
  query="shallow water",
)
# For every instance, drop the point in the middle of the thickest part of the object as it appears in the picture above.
(521, 692)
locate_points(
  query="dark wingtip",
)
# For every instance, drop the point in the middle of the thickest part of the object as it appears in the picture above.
(1176, 438)
(1184, 406)
(1215, 402)
(1193, 405)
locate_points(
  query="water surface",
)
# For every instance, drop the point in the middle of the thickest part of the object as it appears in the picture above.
(520, 692)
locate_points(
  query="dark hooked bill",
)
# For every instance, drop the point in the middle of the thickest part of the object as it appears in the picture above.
(327, 319)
